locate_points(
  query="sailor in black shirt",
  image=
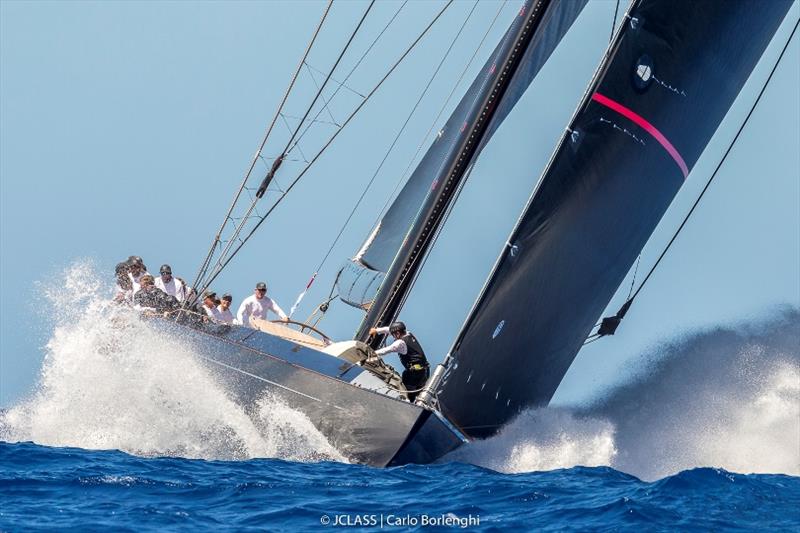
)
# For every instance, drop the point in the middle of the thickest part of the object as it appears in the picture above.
(151, 298)
(411, 355)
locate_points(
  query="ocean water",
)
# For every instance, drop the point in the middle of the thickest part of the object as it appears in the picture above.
(125, 431)
(67, 488)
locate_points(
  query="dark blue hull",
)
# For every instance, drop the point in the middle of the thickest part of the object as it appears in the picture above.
(365, 426)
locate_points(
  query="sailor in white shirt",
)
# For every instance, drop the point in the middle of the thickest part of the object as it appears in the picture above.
(172, 286)
(137, 270)
(224, 309)
(210, 305)
(257, 306)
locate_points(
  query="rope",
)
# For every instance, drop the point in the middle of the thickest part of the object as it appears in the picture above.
(216, 240)
(638, 260)
(438, 115)
(719, 165)
(396, 138)
(328, 77)
(355, 66)
(614, 24)
(223, 263)
(265, 182)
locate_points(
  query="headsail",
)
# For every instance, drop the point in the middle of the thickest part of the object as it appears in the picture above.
(535, 32)
(672, 73)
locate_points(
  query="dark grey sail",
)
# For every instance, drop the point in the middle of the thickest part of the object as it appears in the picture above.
(672, 73)
(401, 237)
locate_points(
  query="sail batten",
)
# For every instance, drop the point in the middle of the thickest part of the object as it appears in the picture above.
(672, 73)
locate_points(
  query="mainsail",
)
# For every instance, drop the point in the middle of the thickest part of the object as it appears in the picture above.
(671, 74)
(546, 22)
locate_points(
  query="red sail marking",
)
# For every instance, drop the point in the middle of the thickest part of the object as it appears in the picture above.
(645, 125)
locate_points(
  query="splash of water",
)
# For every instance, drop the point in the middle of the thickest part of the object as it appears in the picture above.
(728, 398)
(559, 439)
(109, 381)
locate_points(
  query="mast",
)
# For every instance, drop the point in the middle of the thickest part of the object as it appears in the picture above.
(400, 275)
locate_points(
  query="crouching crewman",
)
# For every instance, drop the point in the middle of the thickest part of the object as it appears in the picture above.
(411, 355)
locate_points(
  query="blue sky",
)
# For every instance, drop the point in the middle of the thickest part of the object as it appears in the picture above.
(125, 128)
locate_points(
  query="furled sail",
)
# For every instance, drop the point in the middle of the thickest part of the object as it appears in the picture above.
(554, 17)
(671, 75)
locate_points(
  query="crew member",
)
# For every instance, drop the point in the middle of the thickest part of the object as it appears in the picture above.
(172, 286)
(257, 305)
(210, 305)
(152, 298)
(124, 294)
(411, 355)
(137, 270)
(224, 309)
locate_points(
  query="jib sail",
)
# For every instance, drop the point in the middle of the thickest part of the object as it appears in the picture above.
(671, 75)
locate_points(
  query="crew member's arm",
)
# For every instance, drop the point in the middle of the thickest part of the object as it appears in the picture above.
(398, 346)
(243, 314)
(277, 310)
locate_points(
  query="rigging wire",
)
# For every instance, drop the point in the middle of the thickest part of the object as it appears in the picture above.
(236, 196)
(277, 163)
(623, 310)
(328, 77)
(326, 107)
(303, 61)
(435, 121)
(355, 66)
(397, 137)
(224, 260)
(614, 24)
(633, 281)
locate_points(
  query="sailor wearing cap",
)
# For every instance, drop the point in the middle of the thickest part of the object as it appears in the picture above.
(210, 304)
(172, 286)
(136, 271)
(412, 356)
(224, 309)
(257, 305)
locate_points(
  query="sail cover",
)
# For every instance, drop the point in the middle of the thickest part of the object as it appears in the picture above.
(384, 242)
(672, 74)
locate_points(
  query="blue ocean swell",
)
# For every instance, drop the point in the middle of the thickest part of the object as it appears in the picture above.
(45, 488)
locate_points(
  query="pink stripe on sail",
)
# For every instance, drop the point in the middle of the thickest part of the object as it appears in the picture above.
(645, 125)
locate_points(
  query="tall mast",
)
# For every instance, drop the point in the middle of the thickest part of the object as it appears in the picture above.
(399, 277)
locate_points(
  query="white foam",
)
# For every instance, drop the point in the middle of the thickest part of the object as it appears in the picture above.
(109, 381)
(727, 398)
(544, 439)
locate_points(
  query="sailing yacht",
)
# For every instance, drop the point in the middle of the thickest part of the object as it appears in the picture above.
(666, 81)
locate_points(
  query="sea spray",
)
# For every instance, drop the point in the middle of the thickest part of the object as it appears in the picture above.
(543, 439)
(110, 381)
(726, 397)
